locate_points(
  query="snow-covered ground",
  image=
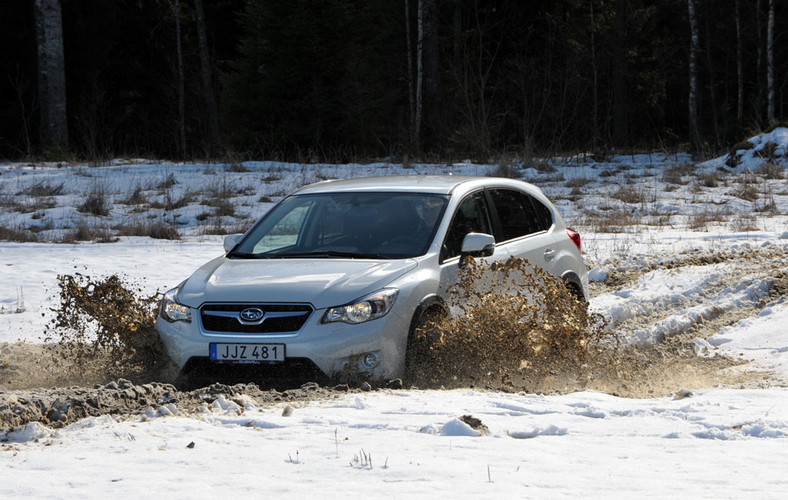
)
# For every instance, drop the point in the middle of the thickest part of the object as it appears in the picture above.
(684, 250)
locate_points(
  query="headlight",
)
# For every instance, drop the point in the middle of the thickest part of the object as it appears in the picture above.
(373, 306)
(171, 310)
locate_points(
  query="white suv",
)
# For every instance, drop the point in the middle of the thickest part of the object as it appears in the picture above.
(337, 276)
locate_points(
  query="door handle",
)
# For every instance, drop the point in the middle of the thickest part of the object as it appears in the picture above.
(549, 254)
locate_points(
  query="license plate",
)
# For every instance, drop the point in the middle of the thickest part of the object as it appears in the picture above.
(247, 353)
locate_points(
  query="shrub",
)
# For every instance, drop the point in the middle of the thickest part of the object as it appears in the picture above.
(44, 189)
(95, 204)
(629, 195)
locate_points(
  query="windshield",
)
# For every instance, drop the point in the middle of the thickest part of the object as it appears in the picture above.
(355, 225)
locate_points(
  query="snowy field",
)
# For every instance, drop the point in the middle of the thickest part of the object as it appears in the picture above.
(675, 249)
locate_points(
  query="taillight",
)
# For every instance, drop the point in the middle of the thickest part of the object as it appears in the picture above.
(575, 237)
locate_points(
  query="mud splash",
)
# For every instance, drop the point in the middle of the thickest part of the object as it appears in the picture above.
(103, 329)
(532, 334)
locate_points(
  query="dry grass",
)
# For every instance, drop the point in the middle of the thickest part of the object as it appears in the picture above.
(630, 195)
(577, 182)
(702, 220)
(770, 170)
(675, 175)
(744, 223)
(44, 189)
(612, 221)
(158, 230)
(17, 234)
(89, 232)
(96, 203)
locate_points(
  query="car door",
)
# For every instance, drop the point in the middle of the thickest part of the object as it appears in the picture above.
(472, 215)
(523, 226)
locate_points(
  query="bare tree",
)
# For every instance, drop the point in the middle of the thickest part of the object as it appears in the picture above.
(595, 75)
(620, 113)
(413, 128)
(739, 67)
(53, 127)
(207, 82)
(770, 65)
(181, 91)
(431, 67)
(693, 77)
(419, 72)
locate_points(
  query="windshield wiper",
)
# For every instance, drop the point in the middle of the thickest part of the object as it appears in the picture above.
(246, 255)
(332, 253)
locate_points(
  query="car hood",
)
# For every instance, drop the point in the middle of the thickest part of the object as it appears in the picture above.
(320, 282)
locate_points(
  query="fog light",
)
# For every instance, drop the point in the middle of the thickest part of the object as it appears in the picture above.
(371, 360)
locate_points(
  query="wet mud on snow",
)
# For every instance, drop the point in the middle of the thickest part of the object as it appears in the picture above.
(102, 355)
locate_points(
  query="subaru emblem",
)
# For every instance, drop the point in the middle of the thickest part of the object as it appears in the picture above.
(252, 314)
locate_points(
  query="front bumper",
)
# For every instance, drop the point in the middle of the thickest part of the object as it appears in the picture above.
(333, 348)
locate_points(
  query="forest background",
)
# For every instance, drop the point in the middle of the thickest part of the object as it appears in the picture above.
(342, 80)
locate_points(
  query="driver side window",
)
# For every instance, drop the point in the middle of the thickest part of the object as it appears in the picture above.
(472, 216)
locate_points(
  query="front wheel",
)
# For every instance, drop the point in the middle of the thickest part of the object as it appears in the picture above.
(424, 332)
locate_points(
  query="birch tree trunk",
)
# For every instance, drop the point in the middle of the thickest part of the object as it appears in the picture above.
(693, 77)
(770, 65)
(207, 81)
(51, 81)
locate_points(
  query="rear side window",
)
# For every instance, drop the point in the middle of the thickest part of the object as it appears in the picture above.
(543, 216)
(519, 214)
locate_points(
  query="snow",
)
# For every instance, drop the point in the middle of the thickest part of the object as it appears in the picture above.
(715, 442)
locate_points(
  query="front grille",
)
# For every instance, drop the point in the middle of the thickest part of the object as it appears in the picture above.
(277, 318)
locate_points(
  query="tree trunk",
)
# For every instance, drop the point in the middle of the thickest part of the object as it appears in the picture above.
(739, 69)
(620, 111)
(712, 87)
(419, 72)
(693, 78)
(595, 90)
(412, 135)
(181, 98)
(207, 81)
(770, 65)
(759, 64)
(431, 67)
(53, 126)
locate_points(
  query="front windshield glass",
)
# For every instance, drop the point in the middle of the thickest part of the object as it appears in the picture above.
(355, 225)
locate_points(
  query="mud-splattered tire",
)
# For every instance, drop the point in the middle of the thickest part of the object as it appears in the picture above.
(417, 345)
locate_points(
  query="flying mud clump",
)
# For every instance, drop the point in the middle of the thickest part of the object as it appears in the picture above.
(103, 330)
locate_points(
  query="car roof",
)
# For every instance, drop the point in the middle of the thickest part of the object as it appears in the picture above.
(434, 184)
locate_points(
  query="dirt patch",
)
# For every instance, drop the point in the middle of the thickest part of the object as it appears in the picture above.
(625, 270)
(58, 407)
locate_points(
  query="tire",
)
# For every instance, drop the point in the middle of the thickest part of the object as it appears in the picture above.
(415, 351)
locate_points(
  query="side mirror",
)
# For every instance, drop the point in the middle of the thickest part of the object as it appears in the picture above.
(478, 245)
(230, 241)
